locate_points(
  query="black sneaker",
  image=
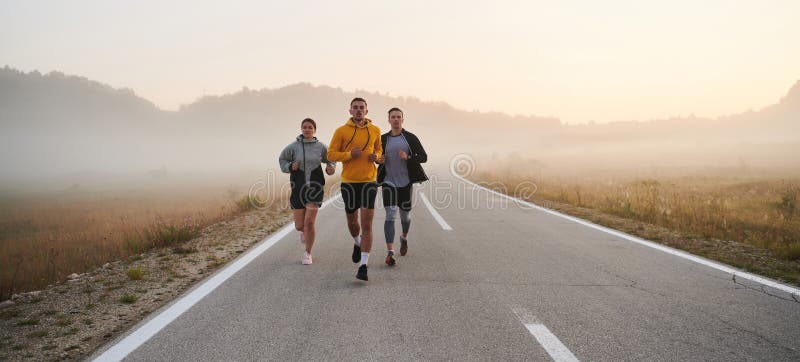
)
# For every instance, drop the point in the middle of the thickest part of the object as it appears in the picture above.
(390, 259)
(362, 273)
(356, 253)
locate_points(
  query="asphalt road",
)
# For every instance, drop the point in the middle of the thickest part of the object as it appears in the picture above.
(505, 283)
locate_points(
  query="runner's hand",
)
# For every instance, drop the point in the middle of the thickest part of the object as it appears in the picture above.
(329, 169)
(373, 157)
(403, 155)
(355, 153)
(381, 160)
(295, 165)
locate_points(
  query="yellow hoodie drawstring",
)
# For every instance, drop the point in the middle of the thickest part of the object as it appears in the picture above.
(354, 136)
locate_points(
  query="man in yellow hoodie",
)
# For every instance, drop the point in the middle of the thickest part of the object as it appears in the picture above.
(357, 145)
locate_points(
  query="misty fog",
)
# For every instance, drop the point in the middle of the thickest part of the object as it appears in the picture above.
(63, 130)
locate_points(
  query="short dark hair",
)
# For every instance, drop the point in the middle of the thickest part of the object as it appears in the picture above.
(358, 99)
(395, 109)
(309, 120)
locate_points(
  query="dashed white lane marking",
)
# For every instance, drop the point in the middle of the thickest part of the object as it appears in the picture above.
(682, 254)
(435, 213)
(149, 329)
(551, 344)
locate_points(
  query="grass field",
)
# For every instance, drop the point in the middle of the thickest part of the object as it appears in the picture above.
(45, 236)
(758, 211)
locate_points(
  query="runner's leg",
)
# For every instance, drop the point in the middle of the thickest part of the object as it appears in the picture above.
(404, 201)
(352, 224)
(299, 217)
(388, 226)
(309, 225)
(366, 230)
(367, 211)
(390, 206)
(351, 205)
(405, 221)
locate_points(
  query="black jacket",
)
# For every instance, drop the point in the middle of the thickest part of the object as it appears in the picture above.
(417, 156)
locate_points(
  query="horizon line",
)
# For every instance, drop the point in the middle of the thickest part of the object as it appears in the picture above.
(161, 108)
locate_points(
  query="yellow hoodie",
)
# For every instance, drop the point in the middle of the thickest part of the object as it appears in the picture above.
(348, 137)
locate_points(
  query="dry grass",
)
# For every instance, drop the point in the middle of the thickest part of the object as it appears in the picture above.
(761, 212)
(128, 298)
(46, 236)
(135, 273)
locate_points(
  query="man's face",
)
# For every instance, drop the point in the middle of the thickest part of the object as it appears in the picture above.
(396, 119)
(358, 110)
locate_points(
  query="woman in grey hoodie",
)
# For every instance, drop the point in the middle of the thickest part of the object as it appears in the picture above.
(301, 160)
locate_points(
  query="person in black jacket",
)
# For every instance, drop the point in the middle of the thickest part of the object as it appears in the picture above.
(399, 168)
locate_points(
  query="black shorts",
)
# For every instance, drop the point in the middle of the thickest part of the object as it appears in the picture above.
(359, 195)
(310, 193)
(397, 196)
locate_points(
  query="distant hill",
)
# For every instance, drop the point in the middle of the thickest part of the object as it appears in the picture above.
(55, 124)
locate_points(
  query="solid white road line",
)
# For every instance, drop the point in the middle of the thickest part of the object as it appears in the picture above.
(557, 350)
(153, 326)
(435, 214)
(551, 344)
(679, 253)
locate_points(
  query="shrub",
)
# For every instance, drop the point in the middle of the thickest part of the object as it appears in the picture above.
(165, 233)
(136, 273)
(128, 298)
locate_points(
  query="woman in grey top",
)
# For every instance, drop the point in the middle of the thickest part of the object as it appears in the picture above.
(301, 160)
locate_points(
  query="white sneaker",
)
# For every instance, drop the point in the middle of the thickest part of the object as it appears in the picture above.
(302, 238)
(306, 259)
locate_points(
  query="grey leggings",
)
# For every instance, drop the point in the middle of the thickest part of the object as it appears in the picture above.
(388, 225)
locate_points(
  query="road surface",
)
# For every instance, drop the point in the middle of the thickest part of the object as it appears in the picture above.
(492, 282)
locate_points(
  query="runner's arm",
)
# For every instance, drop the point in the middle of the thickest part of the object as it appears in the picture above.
(285, 159)
(421, 156)
(378, 148)
(325, 157)
(334, 150)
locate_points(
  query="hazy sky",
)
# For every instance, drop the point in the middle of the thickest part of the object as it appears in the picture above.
(576, 60)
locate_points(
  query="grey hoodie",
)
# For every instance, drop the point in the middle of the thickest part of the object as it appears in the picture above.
(315, 154)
